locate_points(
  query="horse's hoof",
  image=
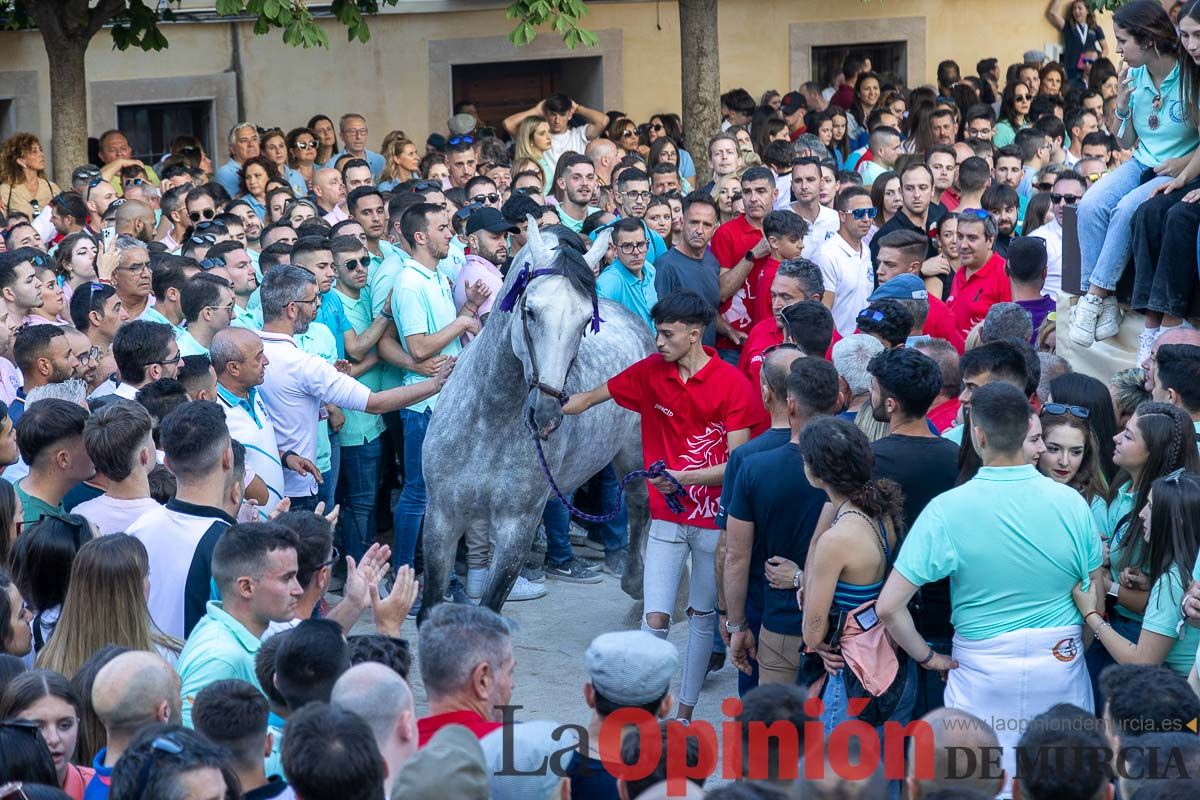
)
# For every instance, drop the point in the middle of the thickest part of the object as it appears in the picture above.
(631, 584)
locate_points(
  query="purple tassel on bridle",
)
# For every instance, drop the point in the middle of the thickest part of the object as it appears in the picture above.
(509, 302)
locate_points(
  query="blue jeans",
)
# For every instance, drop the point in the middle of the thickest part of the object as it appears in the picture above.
(410, 508)
(327, 491)
(307, 503)
(1106, 223)
(357, 496)
(1098, 658)
(614, 534)
(557, 521)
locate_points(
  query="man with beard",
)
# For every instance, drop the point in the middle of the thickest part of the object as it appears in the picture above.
(19, 284)
(1002, 202)
(135, 219)
(487, 234)
(917, 212)
(575, 189)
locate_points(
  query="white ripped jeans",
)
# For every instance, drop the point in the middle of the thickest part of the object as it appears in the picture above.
(667, 548)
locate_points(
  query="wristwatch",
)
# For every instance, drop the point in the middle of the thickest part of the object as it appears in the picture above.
(750, 255)
(731, 628)
(796, 578)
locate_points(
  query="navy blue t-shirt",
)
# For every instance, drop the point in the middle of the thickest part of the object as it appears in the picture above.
(773, 493)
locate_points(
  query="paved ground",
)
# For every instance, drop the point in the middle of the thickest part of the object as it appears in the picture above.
(552, 635)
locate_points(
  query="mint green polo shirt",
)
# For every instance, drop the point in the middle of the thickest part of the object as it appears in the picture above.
(381, 278)
(188, 346)
(318, 341)
(1175, 136)
(423, 303)
(34, 508)
(250, 318)
(360, 426)
(1013, 543)
(219, 648)
(1121, 505)
(954, 434)
(150, 315)
(618, 284)
(1164, 617)
(572, 223)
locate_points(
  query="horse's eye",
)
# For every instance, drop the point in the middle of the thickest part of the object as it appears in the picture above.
(529, 315)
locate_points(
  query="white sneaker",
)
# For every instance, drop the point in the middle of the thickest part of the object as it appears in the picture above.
(524, 590)
(1109, 322)
(1146, 340)
(1083, 320)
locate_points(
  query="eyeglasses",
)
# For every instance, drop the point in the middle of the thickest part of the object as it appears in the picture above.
(41, 260)
(636, 195)
(1071, 199)
(491, 197)
(228, 308)
(135, 268)
(628, 133)
(864, 213)
(356, 263)
(314, 301)
(134, 181)
(207, 213)
(166, 362)
(211, 225)
(466, 211)
(1022, 98)
(781, 346)
(1095, 176)
(527, 191)
(464, 139)
(89, 356)
(425, 186)
(629, 248)
(96, 181)
(163, 744)
(1058, 409)
(333, 559)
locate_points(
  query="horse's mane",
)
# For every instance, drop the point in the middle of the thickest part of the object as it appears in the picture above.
(568, 261)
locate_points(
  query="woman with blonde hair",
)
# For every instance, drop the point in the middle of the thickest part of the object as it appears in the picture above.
(533, 142)
(106, 604)
(24, 186)
(401, 165)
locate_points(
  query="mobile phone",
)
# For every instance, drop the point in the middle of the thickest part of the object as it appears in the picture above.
(109, 233)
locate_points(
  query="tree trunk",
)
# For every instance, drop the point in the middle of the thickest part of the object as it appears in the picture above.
(701, 79)
(68, 104)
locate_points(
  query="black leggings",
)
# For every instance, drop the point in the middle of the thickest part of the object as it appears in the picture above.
(1164, 253)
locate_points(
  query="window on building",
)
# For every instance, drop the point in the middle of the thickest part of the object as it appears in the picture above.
(152, 126)
(887, 59)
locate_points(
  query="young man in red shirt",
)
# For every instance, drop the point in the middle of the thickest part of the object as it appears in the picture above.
(695, 410)
(785, 232)
(796, 279)
(742, 251)
(902, 253)
(982, 280)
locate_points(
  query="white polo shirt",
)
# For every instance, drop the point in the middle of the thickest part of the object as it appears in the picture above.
(821, 230)
(250, 424)
(847, 274)
(294, 388)
(1052, 234)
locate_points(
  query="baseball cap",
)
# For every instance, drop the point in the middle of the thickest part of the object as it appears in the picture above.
(85, 173)
(1035, 57)
(631, 668)
(901, 287)
(436, 141)
(461, 124)
(791, 103)
(490, 220)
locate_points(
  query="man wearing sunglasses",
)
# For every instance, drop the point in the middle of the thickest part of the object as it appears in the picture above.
(559, 110)
(1069, 187)
(353, 129)
(481, 190)
(201, 204)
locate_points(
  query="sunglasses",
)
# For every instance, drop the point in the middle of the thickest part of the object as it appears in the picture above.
(871, 315)
(212, 263)
(41, 260)
(466, 211)
(207, 213)
(526, 190)
(657, 126)
(781, 346)
(203, 238)
(356, 263)
(333, 559)
(1071, 199)
(464, 139)
(977, 213)
(425, 186)
(189, 150)
(211, 225)
(1095, 176)
(864, 213)
(96, 181)
(492, 197)
(305, 145)
(1045, 186)
(163, 744)
(134, 181)
(629, 133)
(1058, 409)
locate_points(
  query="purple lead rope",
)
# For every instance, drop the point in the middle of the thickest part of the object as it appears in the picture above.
(656, 470)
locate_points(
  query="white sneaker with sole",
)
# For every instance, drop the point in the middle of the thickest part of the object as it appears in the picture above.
(1109, 322)
(524, 590)
(1083, 320)
(1146, 340)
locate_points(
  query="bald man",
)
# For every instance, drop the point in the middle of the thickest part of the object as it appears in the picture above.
(330, 193)
(135, 219)
(132, 691)
(966, 755)
(1176, 335)
(605, 155)
(381, 697)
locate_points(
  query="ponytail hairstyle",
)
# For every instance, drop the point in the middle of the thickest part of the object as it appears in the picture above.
(1171, 443)
(838, 453)
(1174, 527)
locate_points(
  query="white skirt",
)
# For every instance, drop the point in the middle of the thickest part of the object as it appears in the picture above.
(1009, 679)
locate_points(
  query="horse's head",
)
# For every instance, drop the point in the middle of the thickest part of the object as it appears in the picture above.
(551, 314)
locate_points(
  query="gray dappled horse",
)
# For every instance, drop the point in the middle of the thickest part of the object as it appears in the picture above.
(481, 469)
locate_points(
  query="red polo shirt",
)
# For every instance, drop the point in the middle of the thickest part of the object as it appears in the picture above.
(944, 414)
(729, 245)
(950, 199)
(762, 294)
(970, 298)
(763, 335)
(428, 726)
(940, 324)
(686, 424)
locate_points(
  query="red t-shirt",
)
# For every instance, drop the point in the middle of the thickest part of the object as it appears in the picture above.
(943, 415)
(940, 324)
(428, 726)
(729, 245)
(970, 298)
(950, 199)
(762, 293)
(686, 424)
(763, 335)
(843, 98)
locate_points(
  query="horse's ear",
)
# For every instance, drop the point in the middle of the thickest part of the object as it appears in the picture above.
(539, 248)
(599, 248)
